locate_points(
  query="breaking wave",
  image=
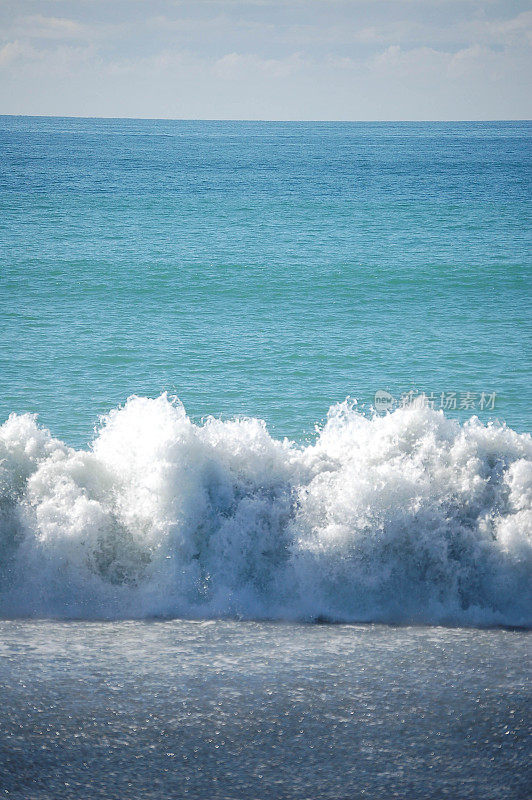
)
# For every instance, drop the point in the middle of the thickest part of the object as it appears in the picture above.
(410, 517)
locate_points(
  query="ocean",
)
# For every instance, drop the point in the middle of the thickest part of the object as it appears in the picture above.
(265, 469)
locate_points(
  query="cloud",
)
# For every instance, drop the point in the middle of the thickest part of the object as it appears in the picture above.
(405, 62)
(44, 63)
(423, 63)
(233, 65)
(12, 51)
(516, 30)
(316, 59)
(414, 31)
(38, 26)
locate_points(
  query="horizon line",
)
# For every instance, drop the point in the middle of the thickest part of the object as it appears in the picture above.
(262, 120)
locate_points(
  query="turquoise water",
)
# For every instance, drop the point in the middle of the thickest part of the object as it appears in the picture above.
(264, 269)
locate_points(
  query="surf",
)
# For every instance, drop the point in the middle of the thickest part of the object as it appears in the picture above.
(401, 518)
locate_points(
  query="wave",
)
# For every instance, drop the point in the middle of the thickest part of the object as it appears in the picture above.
(409, 517)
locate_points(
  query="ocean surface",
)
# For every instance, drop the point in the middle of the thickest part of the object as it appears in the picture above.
(244, 710)
(262, 269)
(254, 377)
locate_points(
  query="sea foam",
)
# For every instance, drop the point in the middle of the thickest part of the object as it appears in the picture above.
(408, 517)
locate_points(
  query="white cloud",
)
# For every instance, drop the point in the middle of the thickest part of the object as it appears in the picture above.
(314, 59)
(406, 62)
(12, 51)
(234, 65)
(423, 63)
(506, 31)
(39, 26)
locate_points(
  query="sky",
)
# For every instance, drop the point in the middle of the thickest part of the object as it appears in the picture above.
(267, 59)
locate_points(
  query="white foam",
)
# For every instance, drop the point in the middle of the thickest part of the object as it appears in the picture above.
(406, 517)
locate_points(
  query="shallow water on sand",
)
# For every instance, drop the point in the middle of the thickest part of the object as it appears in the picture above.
(170, 709)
